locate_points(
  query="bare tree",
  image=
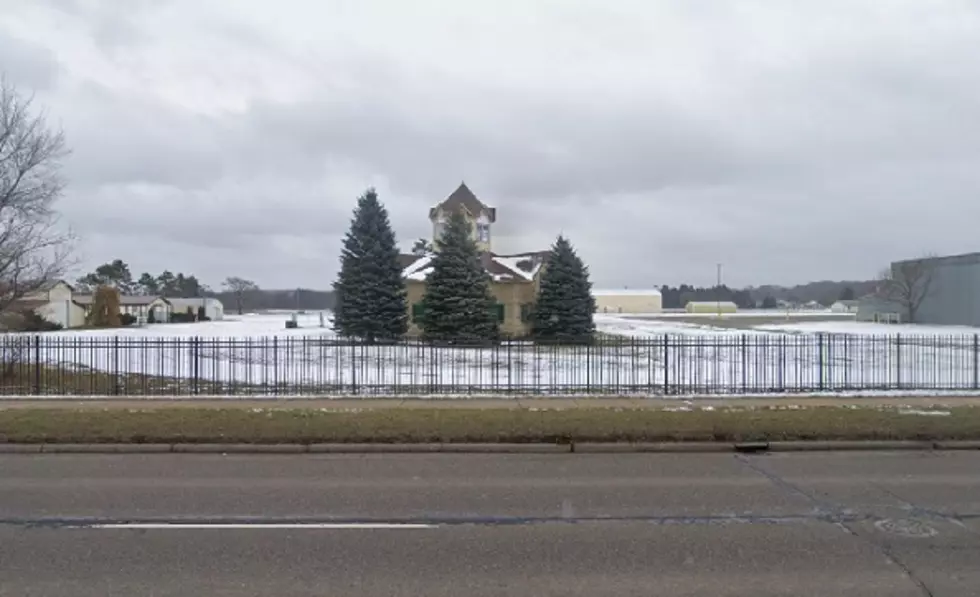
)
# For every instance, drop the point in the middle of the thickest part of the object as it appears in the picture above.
(907, 284)
(34, 250)
(240, 287)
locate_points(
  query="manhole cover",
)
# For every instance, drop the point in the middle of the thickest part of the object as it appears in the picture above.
(906, 527)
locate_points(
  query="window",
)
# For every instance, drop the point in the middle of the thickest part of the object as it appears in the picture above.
(527, 310)
(483, 232)
(499, 307)
(418, 311)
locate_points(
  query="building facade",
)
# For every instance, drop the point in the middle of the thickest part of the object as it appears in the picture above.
(950, 292)
(213, 308)
(514, 279)
(628, 300)
(711, 307)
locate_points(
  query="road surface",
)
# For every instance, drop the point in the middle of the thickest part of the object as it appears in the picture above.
(836, 524)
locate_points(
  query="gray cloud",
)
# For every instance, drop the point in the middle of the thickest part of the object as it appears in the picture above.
(788, 142)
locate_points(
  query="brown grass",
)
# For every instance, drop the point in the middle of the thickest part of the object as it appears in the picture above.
(210, 425)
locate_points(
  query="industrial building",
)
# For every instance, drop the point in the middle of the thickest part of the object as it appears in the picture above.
(711, 307)
(626, 300)
(949, 288)
(953, 293)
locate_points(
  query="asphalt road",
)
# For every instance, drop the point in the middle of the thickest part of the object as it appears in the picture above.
(897, 524)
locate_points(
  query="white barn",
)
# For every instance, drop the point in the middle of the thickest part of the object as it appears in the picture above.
(55, 301)
(626, 300)
(711, 307)
(213, 309)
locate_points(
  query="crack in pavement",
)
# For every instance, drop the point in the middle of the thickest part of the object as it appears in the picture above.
(839, 516)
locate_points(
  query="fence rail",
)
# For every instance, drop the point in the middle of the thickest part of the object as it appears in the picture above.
(665, 365)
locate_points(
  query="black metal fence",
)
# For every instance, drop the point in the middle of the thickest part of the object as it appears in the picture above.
(83, 365)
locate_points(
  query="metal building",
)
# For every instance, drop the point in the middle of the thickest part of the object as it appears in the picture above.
(952, 296)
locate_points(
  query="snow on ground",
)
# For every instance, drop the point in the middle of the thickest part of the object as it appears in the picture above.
(860, 327)
(620, 325)
(233, 326)
(774, 313)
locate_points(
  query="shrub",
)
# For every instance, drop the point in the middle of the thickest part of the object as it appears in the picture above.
(178, 317)
(151, 317)
(202, 314)
(32, 322)
(126, 319)
(105, 308)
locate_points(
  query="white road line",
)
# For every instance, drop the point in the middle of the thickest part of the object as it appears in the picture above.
(250, 526)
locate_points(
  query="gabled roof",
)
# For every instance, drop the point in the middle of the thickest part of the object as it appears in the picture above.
(125, 299)
(464, 198)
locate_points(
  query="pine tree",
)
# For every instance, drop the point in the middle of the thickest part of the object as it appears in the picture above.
(565, 305)
(370, 293)
(458, 305)
(105, 308)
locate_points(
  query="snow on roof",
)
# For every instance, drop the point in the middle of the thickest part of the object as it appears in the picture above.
(525, 266)
(626, 292)
(419, 269)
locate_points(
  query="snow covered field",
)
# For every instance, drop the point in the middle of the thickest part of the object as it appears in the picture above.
(255, 354)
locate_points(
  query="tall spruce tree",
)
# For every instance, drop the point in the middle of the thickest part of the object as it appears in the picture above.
(370, 293)
(458, 306)
(563, 312)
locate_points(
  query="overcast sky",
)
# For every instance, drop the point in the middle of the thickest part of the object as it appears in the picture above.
(790, 141)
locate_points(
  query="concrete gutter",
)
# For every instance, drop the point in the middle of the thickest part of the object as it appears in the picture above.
(464, 448)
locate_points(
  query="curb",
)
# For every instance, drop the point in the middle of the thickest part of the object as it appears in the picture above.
(484, 448)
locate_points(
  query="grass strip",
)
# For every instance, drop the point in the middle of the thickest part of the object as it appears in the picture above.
(266, 426)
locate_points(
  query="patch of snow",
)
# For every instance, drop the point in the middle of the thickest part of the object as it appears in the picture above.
(511, 263)
(867, 328)
(925, 413)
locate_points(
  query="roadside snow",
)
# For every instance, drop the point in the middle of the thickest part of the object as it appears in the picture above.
(864, 328)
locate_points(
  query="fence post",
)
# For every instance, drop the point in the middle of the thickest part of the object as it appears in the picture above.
(820, 360)
(666, 364)
(976, 361)
(275, 365)
(115, 365)
(898, 361)
(37, 364)
(195, 363)
(745, 363)
(352, 344)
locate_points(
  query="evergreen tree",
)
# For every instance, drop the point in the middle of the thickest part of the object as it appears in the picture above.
(370, 293)
(847, 294)
(458, 305)
(565, 305)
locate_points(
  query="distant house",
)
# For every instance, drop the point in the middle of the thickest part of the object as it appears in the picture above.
(139, 307)
(845, 306)
(55, 302)
(711, 307)
(879, 310)
(213, 308)
(626, 300)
